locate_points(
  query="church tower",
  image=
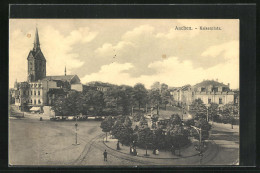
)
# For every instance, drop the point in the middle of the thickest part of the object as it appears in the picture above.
(36, 61)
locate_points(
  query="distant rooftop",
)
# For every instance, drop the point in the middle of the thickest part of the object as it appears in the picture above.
(61, 78)
(206, 83)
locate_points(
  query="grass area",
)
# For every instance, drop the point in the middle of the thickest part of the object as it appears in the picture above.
(165, 114)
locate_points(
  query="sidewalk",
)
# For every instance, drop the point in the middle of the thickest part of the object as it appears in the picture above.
(185, 152)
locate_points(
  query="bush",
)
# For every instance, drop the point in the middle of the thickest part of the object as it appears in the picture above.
(137, 116)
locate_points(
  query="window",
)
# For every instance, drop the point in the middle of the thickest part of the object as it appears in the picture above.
(209, 101)
(24, 92)
(35, 93)
(31, 100)
(39, 93)
(220, 100)
(39, 101)
(31, 93)
(34, 101)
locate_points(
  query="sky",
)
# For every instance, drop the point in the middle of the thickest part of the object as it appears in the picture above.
(129, 51)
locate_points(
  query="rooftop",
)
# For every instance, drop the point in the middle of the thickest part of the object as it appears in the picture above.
(61, 78)
(208, 83)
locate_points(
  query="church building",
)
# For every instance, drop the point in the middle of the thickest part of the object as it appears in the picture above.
(39, 90)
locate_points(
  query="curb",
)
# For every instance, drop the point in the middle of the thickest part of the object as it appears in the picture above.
(173, 158)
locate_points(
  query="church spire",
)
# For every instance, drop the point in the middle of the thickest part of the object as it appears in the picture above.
(65, 71)
(36, 41)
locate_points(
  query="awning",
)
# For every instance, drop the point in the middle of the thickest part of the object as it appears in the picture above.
(35, 109)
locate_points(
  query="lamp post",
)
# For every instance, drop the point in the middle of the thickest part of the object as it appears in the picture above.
(207, 113)
(198, 130)
(76, 129)
(182, 109)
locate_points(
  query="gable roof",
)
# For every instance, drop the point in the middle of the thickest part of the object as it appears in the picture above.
(208, 83)
(62, 78)
(36, 55)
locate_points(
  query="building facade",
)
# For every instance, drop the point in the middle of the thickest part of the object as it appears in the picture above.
(40, 90)
(209, 91)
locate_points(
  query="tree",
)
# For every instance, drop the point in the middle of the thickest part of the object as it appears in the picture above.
(122, 130)
(117, 127)
(228, 113)
(159, 138)
(176, 137)
(174, 120)
(213, 111)
(127, 122)
(137, 116)
(68, 105)
(166, 97)
(205, 128)
(156, 86)
(143, 122)
(111, 98)
(145, 137)
(140, 93)
(93, 102)
(155, 99)
(164, 87)
(199, 108)
(107, 125)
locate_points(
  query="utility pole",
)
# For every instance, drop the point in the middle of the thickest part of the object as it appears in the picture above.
(207, 114)
(182, 112)
(76, 129)
(199, 131)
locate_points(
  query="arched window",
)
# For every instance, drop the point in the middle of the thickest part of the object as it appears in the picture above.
(39, 93)
(35, 93)
(34, 101)
(31, 100)
(39, 101)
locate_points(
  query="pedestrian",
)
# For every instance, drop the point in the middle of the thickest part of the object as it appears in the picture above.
(154, 151)
(105, 155)
(117, 146)
(157, 152)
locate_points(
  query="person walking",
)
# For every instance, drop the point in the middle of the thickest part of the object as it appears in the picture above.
(105, 155)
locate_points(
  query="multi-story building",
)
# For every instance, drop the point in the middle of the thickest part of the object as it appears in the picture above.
(39, 90)
(209, 91)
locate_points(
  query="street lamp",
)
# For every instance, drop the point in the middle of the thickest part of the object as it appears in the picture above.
(76, 129)
(182, 109)
(198, 130)
(207, 113)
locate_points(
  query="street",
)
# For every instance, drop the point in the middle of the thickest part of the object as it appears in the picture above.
(34, 142)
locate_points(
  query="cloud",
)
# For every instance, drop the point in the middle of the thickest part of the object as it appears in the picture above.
(170, 71)
(130, 51)
(112, 73)
(58, 49)
(229, 50)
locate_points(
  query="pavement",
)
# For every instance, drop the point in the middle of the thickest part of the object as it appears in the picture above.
(188, 151)
(39, 143)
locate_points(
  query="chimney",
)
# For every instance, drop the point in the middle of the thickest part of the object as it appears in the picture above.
(228, 85)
